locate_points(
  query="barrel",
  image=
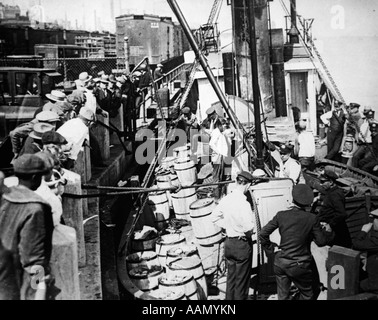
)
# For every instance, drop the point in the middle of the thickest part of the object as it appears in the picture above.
(146, 279)
(186, 171)
(212, 257)
(164, 294)
(144, 244)
(168, 162)
(181, 202)
(180, 251)
(167, 179)
(165, 242)
(191, 266)
(205, 231)
(184, 282)
(159, 204)
(146, 259)
(182, 152)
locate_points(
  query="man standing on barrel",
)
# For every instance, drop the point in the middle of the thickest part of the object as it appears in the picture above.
(235, 216)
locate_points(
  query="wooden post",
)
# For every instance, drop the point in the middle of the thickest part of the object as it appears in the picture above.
(73, 212)
(103, 137)
(64, 264)
(343, 267)
(119, 124)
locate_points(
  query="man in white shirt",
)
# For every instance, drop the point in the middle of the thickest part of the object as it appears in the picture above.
(76, 131)
(289, 167)
(305, 146)
(235, 216)
(364, 140)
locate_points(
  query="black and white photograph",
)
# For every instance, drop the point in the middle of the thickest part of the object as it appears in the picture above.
(196, 152)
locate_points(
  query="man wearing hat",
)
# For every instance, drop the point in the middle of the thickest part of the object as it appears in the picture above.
(370, 160)
(103, 94)
(52, 143)
(235, 216)
(158, 72)
(21, 132)
(26, 225)
(33, 143)
(84, 78)
(364, 138)
(332, 212)
(188, 120)
(289, 167)
(56, 101)
(76, 132)
(367, 240)
(335, 120)
(293, 261)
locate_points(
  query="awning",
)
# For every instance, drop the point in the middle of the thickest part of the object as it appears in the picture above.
(53, 74)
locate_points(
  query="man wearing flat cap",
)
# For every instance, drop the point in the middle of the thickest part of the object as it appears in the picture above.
(332, 214)
(235, 216)
(289, 167)
(369, 162)
(335, 120)
(26, 226)
(293, 261)
(19, 135)
(367, 240)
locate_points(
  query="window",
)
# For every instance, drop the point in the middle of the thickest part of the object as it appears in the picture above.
(27, 83)
(4, 85)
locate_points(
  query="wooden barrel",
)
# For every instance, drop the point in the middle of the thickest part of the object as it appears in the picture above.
(164, 294)
(146, 259)
(184, 282)
(180, 251)
(166, 242)
(182, 152)
(186, 171)
(181, 202)
(206, 232)
(168, 162)
(167, 179)
(212, 257)
(146, 279)
(159, 204)
(191, 266)
(144, 244)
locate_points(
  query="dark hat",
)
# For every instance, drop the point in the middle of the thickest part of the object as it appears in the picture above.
(367, 109)
(285, 149)
(31, 164)
(39, 129)
(53, 137)
(47, 158)
(373, 126)
(302, 194)
(246, 176)
(185, 110)
(338, 103)
(353, 105)
(328, 174)
(369, 114)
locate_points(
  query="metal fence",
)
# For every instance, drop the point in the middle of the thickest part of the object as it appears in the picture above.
(69, 68)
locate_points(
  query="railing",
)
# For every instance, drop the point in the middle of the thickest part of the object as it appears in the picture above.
(171, 76)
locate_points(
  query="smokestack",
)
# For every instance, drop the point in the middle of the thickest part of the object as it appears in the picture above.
(293, 33)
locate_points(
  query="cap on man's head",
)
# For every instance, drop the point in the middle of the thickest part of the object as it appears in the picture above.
(302, 194)
(285, 149)
(159, 65)
(85, 77)
(338, 103)
(259, 173)
(47, 116)
(31, 164)
(353, 105)
(185, 110)
(53, 137)
(328, 175)
(39, 129)
(367, 109)
(47, 157)
(369, 114)
(57, 96)
(211, 110)
(87, 113)
(246, 176)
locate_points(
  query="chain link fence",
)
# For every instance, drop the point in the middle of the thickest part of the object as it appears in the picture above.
(69, 68)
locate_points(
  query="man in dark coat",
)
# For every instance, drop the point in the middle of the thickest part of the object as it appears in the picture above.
(294, 261)
(367, 240)
(336, 120)
(26, 226)
(33, 142)
(370, 160)
(332, 212)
